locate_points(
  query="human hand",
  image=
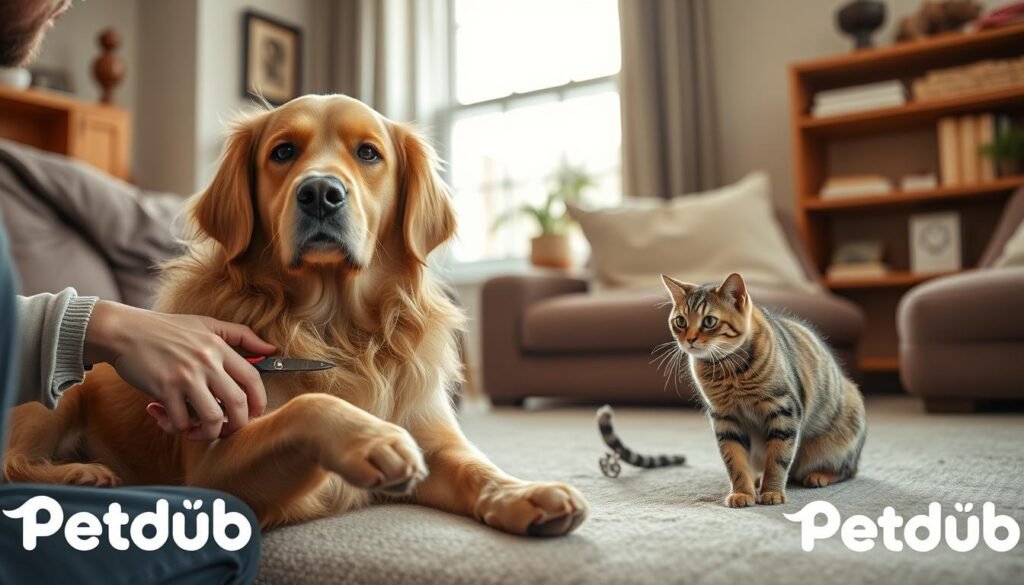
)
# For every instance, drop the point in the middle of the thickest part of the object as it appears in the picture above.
(181, 360)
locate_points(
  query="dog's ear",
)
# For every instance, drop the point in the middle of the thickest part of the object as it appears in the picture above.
(426, 213)
(224, 211)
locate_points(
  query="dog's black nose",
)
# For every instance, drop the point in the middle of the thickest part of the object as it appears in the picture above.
(321, 196)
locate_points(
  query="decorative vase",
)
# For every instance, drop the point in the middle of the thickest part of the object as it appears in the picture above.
(550, 251)
(108, 68)
(860, 19)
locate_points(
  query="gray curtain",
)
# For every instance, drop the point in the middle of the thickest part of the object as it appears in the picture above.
(387, 53)
(669, 143)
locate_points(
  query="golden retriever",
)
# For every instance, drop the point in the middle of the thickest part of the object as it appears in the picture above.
(314, 233)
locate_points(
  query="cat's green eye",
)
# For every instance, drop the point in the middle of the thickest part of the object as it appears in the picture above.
(679, 322)
(709, 322)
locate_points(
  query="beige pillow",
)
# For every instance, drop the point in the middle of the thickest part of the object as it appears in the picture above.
(697, 238)
(1013, 250)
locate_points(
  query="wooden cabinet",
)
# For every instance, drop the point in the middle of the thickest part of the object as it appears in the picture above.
(889, 141)
(98, 134)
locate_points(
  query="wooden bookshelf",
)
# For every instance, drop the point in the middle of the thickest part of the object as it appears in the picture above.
(996, 187)
(894, 279)
(823, 146)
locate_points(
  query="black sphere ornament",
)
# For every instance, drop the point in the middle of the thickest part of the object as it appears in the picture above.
(860, 19)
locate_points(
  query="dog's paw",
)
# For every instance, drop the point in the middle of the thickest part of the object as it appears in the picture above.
(771, 498)
(532, 508)
(89, 474)
(387, 460)
(739, 500)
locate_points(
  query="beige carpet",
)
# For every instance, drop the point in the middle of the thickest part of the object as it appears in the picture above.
(669, 526)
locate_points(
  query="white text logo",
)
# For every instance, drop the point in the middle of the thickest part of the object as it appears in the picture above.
(820, 520)
(83, 529)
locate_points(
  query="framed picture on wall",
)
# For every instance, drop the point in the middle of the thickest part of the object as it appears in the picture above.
(271, 58)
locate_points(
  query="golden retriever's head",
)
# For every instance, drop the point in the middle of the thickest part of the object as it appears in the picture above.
(325, 180)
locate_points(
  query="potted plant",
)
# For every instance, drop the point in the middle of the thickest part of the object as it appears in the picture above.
(551, 247)
(1007, 150)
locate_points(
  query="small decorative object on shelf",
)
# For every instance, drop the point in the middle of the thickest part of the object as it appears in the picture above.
(935, 242)
(15, 77)
(108, 67)
(860, 19)
(936, 17)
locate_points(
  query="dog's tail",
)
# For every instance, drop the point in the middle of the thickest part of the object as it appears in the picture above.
(604, 424)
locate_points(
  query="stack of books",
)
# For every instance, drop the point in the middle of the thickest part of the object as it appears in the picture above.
(960, 141)
(859, 98)
(840, 187)
(988, 75)
(858, 259)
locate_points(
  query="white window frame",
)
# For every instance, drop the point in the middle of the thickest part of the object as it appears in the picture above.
(452, 109)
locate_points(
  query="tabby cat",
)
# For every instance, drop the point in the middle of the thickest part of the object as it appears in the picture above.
(778, 401)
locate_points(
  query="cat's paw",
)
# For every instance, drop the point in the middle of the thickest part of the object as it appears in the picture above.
(819, 479)
(771, 498)
(739, 500)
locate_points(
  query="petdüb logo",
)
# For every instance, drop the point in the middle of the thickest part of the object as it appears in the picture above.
(821, 520)
(43, 516)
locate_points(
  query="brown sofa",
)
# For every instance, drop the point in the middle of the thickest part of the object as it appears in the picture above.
(962, 337)
(71, 225)
(546, 335)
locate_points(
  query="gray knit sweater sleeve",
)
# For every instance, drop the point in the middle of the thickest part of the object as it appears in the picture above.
(52, 335)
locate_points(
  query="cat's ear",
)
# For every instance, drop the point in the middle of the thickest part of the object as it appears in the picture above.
(735, 290)
(677, 289)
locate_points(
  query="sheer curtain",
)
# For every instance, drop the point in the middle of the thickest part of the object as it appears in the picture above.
(669, 142)
(392, 55)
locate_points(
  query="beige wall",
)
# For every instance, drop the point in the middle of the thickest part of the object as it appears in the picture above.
(219, 77)
(753, 43)
(72, 46)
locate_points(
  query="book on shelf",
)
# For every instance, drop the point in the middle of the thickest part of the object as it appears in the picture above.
(961, 139)
(918, 182)
(857, 270)
(855, 186)
(859, 98)
(968, 142)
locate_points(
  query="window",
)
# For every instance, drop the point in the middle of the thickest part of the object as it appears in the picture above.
(533, 88)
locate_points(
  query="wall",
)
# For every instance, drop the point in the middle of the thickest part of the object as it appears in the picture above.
(219, 76)
(753, 42)
(72, 46)
(165, 119)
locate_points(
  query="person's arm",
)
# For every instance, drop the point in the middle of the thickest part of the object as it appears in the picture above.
(181, 361)
(52, 336)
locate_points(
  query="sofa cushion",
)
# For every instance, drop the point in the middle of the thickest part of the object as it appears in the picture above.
(637, 321)
(701, 238)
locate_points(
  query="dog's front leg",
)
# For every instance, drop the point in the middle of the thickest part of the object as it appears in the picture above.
(277, 462)
(463, 481)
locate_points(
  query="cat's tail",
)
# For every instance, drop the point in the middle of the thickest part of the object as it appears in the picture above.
(604, 424)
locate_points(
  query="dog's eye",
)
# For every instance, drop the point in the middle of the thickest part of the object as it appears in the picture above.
(367, 153)
(709, 322)
(283, 152)
(679, 322)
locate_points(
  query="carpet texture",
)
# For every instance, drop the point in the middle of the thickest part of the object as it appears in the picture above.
(669, 525)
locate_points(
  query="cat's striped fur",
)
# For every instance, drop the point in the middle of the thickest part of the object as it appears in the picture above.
(604, 424)
(776, 397)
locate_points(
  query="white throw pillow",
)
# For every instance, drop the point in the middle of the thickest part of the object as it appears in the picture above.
(698, 238)
(1013, 250)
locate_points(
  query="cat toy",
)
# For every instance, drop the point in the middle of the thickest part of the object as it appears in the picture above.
(611, 462)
